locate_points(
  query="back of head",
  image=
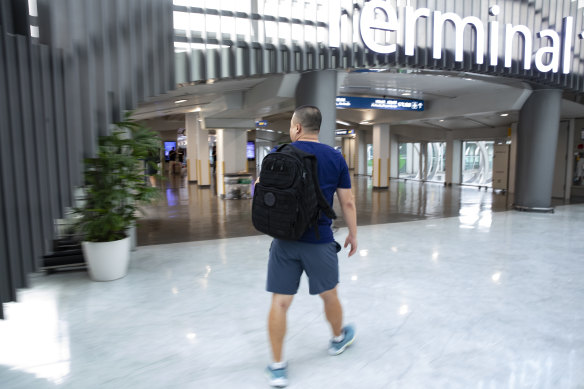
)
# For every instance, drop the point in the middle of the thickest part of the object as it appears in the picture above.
(309, 117)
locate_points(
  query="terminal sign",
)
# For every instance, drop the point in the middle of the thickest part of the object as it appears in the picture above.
(374, 103)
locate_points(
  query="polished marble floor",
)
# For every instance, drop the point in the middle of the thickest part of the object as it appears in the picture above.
(187, 213)
(478, 299)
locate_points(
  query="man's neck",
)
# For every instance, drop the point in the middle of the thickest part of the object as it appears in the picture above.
(308, 138)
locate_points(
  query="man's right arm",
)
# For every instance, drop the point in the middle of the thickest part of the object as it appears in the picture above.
(349, 209)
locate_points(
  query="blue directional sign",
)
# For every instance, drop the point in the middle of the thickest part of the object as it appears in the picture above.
(375, 103)
(262, 123)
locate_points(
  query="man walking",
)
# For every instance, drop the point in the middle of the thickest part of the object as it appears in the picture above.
(317, 257)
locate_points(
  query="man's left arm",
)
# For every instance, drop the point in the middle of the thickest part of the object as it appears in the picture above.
(349, 209)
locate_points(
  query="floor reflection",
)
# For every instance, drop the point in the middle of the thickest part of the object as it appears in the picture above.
(35, 340)
(190, 213)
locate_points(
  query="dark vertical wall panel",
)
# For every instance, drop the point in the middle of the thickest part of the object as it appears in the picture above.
(48, 128)
(17, 170)
(9, 250)
(39, 149)
(93, 60)
(26, 162)
(59, 110)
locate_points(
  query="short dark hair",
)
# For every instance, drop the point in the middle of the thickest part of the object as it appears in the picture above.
(309, 117)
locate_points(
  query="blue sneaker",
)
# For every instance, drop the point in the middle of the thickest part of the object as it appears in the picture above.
(338, 347)
(278, 377)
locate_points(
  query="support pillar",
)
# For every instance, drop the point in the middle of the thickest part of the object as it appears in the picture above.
(361, 159)
(537, 138)
(349, 152)
(197, 151)
(191, 133)
(231, 154)
(319, 88)
(393, 156)
(380, 155)
(453, 160)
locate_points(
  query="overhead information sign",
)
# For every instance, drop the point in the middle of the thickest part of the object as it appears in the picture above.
(345, 132)
(261, 123)
(375, 103)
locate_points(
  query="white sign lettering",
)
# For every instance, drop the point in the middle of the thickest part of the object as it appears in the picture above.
(379, 20)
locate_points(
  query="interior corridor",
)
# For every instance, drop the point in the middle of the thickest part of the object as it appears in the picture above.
(188, 213)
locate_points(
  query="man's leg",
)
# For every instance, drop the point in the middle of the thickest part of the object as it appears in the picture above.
(277, 323)
(333, 310)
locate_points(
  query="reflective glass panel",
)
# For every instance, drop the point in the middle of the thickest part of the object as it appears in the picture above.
(477, 163)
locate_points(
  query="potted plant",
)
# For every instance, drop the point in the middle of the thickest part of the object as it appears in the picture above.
(115, 186)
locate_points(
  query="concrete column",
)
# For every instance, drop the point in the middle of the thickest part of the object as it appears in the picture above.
(319, 88)
(453, 160)
(361, 160)
(570, 161)
(513, 157)
(191, 127)
(231, 154)
(380, 155)
(349, 152)
(423, 157)
(393, 156)
(537, 139)
(197, 151)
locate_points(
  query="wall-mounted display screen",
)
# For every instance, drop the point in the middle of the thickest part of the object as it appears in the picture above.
(250, 150)
(168, 145)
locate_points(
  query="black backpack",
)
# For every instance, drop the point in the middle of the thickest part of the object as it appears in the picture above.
(287, 200)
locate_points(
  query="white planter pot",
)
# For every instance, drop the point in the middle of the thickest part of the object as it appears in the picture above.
(107, 261)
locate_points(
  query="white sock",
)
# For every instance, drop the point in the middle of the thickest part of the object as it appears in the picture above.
(339, 338)
(278, 365)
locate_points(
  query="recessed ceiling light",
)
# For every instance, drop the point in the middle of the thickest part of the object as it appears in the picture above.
(441, 120)
(179, 101)
(406, 94)
(343, 123)
(364, 122)
(504, 114)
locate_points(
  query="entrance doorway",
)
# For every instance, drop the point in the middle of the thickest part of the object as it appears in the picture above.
(477, 163)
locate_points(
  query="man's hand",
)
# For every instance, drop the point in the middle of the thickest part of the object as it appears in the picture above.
(351, 240)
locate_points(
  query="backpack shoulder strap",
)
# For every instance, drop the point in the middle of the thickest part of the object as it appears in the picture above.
(323, 204)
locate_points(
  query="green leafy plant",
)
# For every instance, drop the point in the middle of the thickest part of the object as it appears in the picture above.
(115, 182)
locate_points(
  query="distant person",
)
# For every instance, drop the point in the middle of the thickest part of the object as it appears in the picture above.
(152, 167)
(318, 257)
(579, 176)
(214, 158)
(172, 155)
(171, 160)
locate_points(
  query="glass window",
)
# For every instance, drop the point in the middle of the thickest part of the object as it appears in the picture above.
(212, 25)
(477, 163)
(369, 159)
(227, 27)
(181, 21)
(436, 161)
(268, 8)
(409, 161)
(236, 5)
(242, 28)
(197, 24)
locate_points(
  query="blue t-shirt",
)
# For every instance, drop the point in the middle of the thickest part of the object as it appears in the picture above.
(333, 173)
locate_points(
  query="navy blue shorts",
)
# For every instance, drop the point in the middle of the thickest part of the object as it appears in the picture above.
(288, 259)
